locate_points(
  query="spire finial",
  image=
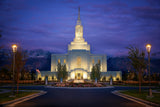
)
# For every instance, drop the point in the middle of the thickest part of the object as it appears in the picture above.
(79, 20)
(79, 13)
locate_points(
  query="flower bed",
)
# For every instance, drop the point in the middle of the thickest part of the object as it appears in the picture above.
(78, 85)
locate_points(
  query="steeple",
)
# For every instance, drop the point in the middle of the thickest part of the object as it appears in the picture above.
(79, 42)
(79, 20)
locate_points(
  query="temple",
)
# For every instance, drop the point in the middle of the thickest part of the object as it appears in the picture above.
(79, 61)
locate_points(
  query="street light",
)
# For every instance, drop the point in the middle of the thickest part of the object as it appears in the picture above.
(14, 49)
(148, 48)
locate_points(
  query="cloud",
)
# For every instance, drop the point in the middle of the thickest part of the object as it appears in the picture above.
(109, 26)
(147, 12)
(69, 1)
(12, 6)
(118, 4)
(153, 2)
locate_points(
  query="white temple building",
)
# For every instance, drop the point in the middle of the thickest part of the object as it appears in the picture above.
(79, 61)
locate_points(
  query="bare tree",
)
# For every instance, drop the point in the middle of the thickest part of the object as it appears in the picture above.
(20, 60)
(137, 60)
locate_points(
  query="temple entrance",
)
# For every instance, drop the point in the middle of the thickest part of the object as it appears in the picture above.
(79, 76)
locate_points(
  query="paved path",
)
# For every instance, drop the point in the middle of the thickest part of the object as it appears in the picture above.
(4, 91)
(59, 97)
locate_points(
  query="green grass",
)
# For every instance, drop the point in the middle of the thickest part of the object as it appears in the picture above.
(8, 88)
(135, 85)
(20, 84)
(31, 85)
(143, 95)
(5, 96)
(130, 85)
(158, 89)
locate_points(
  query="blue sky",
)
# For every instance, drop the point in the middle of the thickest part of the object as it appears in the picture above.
(109, 25)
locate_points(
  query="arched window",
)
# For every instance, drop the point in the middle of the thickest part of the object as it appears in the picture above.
(79, 61)
(99, 61)
(59, 61)
(92, 61)
(64, 61)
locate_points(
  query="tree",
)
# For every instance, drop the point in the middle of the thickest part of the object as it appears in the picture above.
(124, 75)
(132, 76)
(95, 73)
(98, 73)
(5, 65)
(59, 66)
(0, 34)
(33, 75)
(137, 61)
(104, 79)
(64, 71)
(5, 73)
(0, 37)
(20, 60)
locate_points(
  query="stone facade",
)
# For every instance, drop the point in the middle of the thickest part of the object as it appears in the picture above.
(79, 63)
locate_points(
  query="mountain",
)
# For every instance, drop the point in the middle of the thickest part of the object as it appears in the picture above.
(42, 59)
(122, 64)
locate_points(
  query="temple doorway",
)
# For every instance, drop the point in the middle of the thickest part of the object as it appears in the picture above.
(79, 76)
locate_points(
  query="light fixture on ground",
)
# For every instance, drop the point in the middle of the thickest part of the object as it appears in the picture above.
(148, 48)
(14, 50)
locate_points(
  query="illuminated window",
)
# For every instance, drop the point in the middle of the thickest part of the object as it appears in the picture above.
(64, 61)
(99, 61)
(92, 61)
(79, 61)
(59, 61)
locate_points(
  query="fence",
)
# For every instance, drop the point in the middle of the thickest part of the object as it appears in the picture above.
(20, 81)
(136, 82)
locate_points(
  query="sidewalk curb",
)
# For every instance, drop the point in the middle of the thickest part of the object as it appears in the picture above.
(137, 100)
(12, 103)
(79, 87)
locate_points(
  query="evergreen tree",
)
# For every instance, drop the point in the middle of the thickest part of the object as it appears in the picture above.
(64, 70)
(95, 73)
(59, 66)
(98, 73)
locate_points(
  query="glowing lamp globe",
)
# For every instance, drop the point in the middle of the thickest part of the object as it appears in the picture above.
(148, 47)
(14, 48)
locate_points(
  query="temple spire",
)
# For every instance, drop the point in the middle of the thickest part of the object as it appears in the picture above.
(79, 20)
(79, 13)
(79, 43)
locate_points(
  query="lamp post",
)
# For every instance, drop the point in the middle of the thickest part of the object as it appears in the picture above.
(14, 50)
(148, 48)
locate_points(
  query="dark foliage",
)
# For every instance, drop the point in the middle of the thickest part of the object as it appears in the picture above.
(95, 73)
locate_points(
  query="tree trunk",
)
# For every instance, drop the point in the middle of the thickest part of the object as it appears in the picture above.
(140, 81)
(18, 71)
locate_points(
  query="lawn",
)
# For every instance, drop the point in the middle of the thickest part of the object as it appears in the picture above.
(158, 90)
(5, 96)
(143, 95)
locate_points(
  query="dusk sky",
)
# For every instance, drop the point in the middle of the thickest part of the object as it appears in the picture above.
(109, 25)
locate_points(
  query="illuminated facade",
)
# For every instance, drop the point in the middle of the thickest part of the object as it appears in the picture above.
(79, 61)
